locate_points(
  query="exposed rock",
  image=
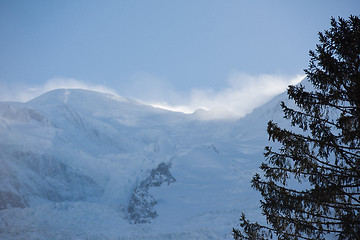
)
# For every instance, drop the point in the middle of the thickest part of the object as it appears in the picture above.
(10, 200)
(158, 176)
(41, 176)
(141, 206)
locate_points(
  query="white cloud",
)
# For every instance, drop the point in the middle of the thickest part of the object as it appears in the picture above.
(243, 93)
(23, 93)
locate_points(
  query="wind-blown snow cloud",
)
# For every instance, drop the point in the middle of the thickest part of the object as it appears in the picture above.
(243, 93)
(22, 93)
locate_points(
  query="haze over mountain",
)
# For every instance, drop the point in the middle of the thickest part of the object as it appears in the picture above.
(79, 164)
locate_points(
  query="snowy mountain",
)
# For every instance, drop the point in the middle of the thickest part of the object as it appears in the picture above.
(78, 164)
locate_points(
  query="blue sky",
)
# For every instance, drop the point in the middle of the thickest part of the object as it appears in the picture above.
(180, 54)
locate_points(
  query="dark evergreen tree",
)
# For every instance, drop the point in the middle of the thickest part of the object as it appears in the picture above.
(322, 151)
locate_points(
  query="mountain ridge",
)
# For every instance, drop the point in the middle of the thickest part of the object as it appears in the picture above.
(81, 149)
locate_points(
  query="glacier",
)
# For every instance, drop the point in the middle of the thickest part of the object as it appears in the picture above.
(79, 164)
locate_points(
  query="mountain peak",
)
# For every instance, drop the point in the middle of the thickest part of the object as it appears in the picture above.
(76, 95)
(90, 151)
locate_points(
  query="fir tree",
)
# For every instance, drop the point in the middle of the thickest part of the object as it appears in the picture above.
(322, 151)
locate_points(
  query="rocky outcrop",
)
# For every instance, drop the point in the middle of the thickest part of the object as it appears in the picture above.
(141, 206)
(10, 200)
(25, 175)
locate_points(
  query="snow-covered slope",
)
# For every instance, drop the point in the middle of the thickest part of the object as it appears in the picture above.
(78, 164)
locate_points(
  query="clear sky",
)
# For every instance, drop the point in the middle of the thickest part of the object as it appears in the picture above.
(188, 53)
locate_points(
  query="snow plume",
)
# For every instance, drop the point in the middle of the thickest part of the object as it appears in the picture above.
(23, 93)
(243, 93)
